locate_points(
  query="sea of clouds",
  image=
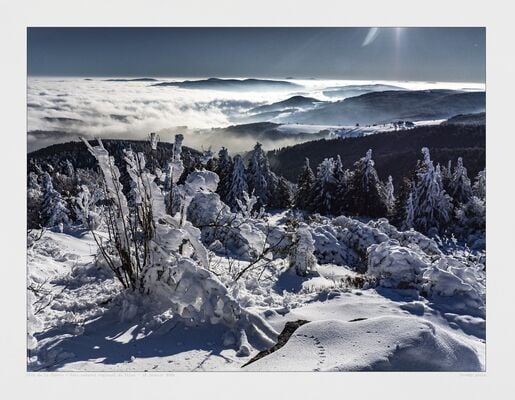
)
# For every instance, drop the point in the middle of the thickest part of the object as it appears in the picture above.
(62, 109)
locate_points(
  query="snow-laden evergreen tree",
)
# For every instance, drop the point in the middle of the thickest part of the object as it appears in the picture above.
(305, 184)
(324, 189)
(284, 193)
(224, 171)
(85, 207)
(70, 171)
(238, 184)
(432, 205)
(471, 216)
(401, 198)
(409, 212)
(366, 194)
(34, 201)
(389, 195)
(479, 188)
(447, 176)
(341, 178)
(459, 185)
(260, 178)
(302, 256)
(54, 210)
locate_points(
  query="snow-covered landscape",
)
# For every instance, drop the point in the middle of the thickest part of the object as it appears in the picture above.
(168, 277)
(256, 224)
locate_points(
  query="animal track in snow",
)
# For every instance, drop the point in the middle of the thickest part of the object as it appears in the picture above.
(320, 351)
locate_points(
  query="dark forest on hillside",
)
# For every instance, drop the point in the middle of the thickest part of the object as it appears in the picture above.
(394, 153)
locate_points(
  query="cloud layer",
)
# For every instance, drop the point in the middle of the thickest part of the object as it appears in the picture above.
(63, 109)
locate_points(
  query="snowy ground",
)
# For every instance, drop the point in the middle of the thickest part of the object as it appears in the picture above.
(79, 321)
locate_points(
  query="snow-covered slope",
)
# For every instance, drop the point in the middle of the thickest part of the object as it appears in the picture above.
(89, 326)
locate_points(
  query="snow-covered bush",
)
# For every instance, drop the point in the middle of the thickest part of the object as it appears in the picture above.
(246, 206)
(407, 238)
(162, 256)
(197, 297)
(396, 266)
(302, 256)
(451, 278)
(239, 237)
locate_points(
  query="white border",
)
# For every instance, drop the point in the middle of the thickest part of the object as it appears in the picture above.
(495, 15)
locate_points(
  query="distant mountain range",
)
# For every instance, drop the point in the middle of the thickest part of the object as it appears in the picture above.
(292, 102)
(131, 80)
(233, 84)
(262, 131)
(357, 90)
(387, 106)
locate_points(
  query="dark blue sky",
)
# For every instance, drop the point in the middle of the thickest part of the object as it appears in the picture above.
(428, 54)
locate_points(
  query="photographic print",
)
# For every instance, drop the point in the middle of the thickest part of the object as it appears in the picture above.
(256, 199)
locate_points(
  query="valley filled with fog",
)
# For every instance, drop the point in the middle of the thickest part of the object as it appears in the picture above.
(214, 112)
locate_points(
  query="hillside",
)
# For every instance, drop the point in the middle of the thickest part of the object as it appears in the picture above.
(395, 153)
(76, 152)
(387, 106)
(467, 119)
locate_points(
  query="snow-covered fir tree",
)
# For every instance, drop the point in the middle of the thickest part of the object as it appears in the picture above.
(70, 170)
(404, 190)
(305, 184)
(459, 185)
(224, 170)
(284, 193)
(432, 205)
(479, 188)
(260, 178)
(324, 188)
(389, 195)
(471, 216)
(85, 207)
(238, 183)
(34, 201)
(341, 178)
(54, 210)
(409, 212)
(447, 175)
(302, 256)
(366, 194)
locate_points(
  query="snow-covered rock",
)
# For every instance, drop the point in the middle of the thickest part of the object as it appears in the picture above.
(377, 344)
